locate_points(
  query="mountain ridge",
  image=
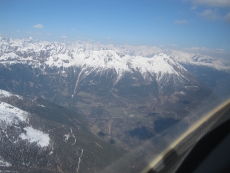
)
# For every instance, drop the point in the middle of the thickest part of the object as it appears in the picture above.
(59, 55)
(47, 49)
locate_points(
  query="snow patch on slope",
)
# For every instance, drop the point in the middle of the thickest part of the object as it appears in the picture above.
(4, 163)
(33, 135)
(10, 114)
(4, 93)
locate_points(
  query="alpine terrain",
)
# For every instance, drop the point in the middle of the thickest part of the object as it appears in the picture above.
(74, 102)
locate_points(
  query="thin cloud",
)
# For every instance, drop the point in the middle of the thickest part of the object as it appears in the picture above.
(213, 3)
(210, 14)
(39, 26)
(227, 18)
(63, 36)
(173, 45)
(194, 7)
(197, 48)
(204, 50)
(219, 50)
(180, 22)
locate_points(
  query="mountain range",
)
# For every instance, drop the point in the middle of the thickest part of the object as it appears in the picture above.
(119, 96)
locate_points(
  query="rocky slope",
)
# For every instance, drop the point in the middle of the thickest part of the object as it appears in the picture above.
(37, 136)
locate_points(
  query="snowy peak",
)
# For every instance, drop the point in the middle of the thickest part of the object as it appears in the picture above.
(104, 60)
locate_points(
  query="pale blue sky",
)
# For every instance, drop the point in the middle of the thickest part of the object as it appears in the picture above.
(168, 23)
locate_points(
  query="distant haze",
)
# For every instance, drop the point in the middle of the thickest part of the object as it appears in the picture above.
(193, 25)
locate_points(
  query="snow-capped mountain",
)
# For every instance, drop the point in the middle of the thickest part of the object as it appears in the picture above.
(29, 48)
(61, 55)
(160, 67)
(80, 67)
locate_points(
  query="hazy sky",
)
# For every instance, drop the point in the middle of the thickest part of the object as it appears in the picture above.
(191, 24)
